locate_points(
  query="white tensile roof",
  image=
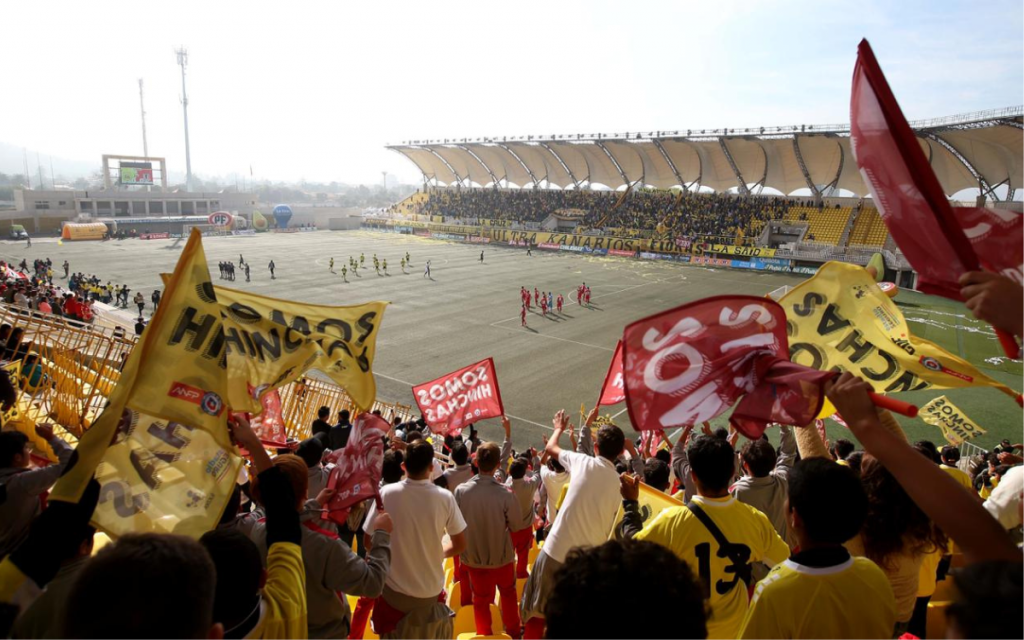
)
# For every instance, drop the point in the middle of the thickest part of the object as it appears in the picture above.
(981, 150)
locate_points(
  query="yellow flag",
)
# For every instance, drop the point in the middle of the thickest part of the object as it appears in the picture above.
(345, 335)
(956, 426)
(841, 320)
(161, 450)
(652, 502)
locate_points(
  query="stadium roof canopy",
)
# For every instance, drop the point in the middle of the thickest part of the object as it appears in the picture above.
(981, 150)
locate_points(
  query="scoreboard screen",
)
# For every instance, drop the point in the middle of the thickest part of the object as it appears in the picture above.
(136, 173)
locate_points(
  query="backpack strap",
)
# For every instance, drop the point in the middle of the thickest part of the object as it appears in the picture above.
(744, 569)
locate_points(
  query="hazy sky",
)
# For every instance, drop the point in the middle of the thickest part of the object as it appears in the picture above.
(316, 90)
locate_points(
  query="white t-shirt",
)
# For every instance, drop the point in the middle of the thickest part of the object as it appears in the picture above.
(553, 483)
(422, 513)
(588, 513)
(1004, 503)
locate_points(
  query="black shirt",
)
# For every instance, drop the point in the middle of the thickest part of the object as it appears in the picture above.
(319, 426)
(337, 438)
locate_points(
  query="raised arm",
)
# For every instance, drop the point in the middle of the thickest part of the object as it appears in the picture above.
(560, 422)
(951, 507)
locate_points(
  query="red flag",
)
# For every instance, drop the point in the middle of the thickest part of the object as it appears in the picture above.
(357, 469)
(910, 198)
(613, 391)
(452, 402)
(269, 425)
(692, 363)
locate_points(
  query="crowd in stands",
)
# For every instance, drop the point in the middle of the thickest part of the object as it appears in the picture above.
(648, 212)
(812, 539)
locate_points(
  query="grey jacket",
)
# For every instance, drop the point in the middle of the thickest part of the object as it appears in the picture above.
(490, 511)
(23, 488)
(332, 566)
(768, 494)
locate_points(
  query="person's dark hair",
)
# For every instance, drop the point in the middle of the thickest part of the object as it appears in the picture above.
(712, 460)
(488, 455)
(894, 522)
(854, 460)
(391, 470)
(610, 441)
(231, 509)
(597, 574)
(311, 450)
(8, 394)
(950, 455)
(165, 586)
(1001, 470)
(759, 456)
(343, 415)
(12, 443)
(664, 455)
(656, 474)
(239, 570)
(928, 448)
(460, 454)
(419, 457)
(323, 412)
(829, 499)
(295, 470)
(413, 436)
(721, 433)
(555, 465)
(986, 594)
(517, 469)
(843, 448)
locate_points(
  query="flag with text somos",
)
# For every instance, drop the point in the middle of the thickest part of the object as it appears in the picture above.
(613, 391)
(692, 363)
(457, 400)
(940, 241)
(955, 425)
(357, 466)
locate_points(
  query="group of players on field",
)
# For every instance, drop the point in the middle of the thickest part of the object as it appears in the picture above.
(549, 301)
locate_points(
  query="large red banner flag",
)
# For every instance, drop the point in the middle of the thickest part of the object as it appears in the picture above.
(690, 364)
(269, 425)
(357, 466)
(457, 400)
(911, 200)
(613, 391)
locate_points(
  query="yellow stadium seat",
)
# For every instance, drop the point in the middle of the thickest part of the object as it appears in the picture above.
(368, 632)
(454, 599)
(473, 636)
(449, 575)
(943, 590)
(532, 557)
(520, 585)
(449, 563)
(465, 623)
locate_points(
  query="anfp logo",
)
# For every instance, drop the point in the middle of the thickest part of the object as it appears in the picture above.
(220, 219)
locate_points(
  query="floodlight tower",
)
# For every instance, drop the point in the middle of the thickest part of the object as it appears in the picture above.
(183, 62)
(142, 107)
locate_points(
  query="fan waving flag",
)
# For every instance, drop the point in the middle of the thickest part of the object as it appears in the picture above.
(457, 400)
(358, 466)
(613, 391)
(910, 198)
(692, 363)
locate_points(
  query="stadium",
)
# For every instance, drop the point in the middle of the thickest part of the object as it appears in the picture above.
(768, 356)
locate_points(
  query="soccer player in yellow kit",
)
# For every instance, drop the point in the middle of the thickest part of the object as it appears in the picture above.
(722, 562)
(823, 591)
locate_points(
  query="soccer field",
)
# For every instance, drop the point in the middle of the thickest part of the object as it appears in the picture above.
(469, 311)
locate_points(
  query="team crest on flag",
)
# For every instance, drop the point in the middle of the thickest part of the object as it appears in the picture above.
(454, 401)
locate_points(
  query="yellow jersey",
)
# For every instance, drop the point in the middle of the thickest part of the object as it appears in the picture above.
(849, 600)
(284, 613)
(742, 525)
(962, 478)
(928, 576)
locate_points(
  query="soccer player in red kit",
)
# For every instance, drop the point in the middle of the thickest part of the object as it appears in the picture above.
(522, 314)
(558, 302)
(544, 305)
(536, 296)
(586, 294)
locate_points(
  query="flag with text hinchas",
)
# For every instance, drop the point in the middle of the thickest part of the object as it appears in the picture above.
(346, 336)
(940, 241)
(357, 466)
(161, 449)
(457, 400)
(840, 320)
(956, 427)
(692, 363)
(613, 391)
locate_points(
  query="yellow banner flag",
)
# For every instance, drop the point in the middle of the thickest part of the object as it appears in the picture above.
(956, 426)
(841, 320)
(346, 337)
(652, 502)
(162, 467)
